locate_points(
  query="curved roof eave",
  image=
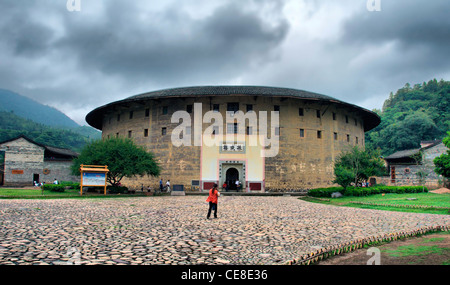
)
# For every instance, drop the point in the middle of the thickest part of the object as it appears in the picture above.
(95, 117)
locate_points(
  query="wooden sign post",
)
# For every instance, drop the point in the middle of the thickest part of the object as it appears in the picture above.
(93, 175)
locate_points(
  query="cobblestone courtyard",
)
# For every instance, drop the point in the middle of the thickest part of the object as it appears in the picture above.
(174, 230)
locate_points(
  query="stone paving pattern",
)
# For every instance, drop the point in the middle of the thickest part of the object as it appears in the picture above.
(174, 230)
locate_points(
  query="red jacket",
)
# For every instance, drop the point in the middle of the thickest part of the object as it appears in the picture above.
(213, 196)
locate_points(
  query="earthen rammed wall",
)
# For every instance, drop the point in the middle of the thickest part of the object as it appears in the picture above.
(302, 162)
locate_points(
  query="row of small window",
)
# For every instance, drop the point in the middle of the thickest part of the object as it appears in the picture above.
(335, 136)
(234, 107)
(130, 134)
(131, 115)
(233, 129)
(301, 113)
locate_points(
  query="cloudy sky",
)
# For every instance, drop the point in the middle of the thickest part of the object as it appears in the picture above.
(112, 49)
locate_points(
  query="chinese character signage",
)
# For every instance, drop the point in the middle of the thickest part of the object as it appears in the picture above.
(232, 147)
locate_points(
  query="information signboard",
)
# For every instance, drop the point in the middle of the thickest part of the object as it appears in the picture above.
(93, 175)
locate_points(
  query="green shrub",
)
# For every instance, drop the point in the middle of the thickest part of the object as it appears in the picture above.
(365, 191)
(71, 185)
(117, 189)
(325, 192)
(54, 187)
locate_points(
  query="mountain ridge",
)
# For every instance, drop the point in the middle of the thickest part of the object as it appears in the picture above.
(20, 115)
(30, 109)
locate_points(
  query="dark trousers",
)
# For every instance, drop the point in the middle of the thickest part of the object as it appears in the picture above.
(212, 206)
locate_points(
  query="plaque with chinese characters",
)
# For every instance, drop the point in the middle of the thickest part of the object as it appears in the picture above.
(232, 147)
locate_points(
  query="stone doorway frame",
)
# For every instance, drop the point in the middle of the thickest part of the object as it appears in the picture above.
(240, 165)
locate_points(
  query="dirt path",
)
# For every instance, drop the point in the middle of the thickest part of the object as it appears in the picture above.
(432, 249)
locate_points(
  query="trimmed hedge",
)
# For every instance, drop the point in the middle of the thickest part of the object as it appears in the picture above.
(117, 189)
(53, 187)
(365, 191)
(71, 185)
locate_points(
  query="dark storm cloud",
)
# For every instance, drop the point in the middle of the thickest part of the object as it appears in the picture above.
(111, 49)
(171, 45)
(27, 38)
(419, 30)
(21, 31)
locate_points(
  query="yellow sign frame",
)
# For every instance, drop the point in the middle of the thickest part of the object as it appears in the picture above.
(101, 169)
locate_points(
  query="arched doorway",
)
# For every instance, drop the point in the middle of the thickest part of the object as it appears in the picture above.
(232, 175)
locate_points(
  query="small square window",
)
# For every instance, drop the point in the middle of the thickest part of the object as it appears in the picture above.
(348, 138)
(216, 107)
(335, 136)
(233, 107)
(300, 112)
(165, 110)
(334, 116)
(146, 133)
(130, 134)
(147, 112)
(276, 108)
(346, 119)
(118, 118)
(319, 134)
(249, 107)
(131, 114)
(318, 113)
(302, 133)
(163, 131)
(189, 109)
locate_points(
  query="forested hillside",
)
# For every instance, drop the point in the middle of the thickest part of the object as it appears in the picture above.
(30, 109)
(411, 115)
(20, 115)
(12, 126)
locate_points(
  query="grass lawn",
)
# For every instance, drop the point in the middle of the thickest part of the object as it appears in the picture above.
(422, 199)
(37, 193)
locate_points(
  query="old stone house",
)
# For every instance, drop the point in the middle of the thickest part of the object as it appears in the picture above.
(405, 167)
(26, 162)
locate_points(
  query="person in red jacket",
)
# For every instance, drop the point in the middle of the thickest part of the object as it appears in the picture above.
(213, 199)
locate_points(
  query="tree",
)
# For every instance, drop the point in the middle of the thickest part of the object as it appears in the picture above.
(357, 165)
(343, 176)
(442, 162)
(412, 115)
(122, 156)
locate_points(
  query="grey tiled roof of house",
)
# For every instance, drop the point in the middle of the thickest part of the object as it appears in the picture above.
(403, 153)
(410, 152)
(231, 90)
(94, 118)
(57, 150)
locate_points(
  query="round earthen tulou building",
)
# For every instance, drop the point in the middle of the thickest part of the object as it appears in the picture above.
(267, 138)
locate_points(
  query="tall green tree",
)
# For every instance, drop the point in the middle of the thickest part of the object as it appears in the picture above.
(356, 166)
(411, 115)
(442, 162)
(122, 156)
